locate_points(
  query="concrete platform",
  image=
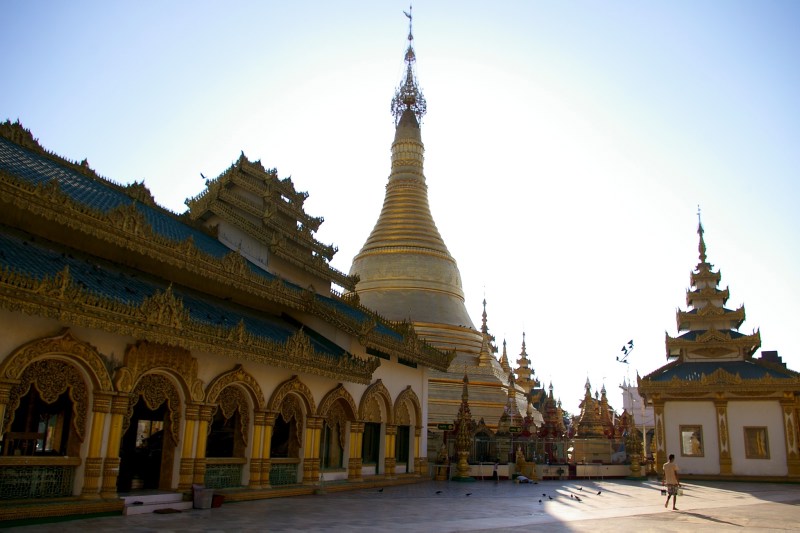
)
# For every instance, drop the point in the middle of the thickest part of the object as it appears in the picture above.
(485, 506)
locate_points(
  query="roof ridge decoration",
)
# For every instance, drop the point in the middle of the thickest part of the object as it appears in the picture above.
(126, 227)
(18, 134)
(408, 94)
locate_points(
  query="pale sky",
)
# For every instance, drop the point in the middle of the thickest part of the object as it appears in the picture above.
(568, 144)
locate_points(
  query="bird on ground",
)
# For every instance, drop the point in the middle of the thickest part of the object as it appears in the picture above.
(469, 494)
(580, 488)
(544, 494)
(572, 496)
(599, 492)
(540, 501)
(578, 498)
(380, 490)
(549, 497)
(438, 492)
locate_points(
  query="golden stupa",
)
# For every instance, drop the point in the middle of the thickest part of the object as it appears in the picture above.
(406, 273)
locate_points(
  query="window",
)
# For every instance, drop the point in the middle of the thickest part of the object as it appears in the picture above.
(224, 438)
(371, 443)
(40, 428)
(756, 443)
(285, 442)
(692, 441)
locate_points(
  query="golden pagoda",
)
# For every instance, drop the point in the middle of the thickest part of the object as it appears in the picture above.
(406, 273)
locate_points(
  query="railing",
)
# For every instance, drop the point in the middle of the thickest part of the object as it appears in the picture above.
(37, 477)
(224, 472)
(283, 472)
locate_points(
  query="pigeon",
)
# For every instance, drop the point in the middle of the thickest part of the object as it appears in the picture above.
(572, 496)
(438, 492)
(599, 492)
(578, 498)
(469, 494)
(549, 497)
(540, 501)
(580, 488)
(380, 490)
(543, 494)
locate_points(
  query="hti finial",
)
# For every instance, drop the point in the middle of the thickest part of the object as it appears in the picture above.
(408, 95)
(702, 246)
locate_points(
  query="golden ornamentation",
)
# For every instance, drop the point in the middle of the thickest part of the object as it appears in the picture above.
(408, 398)
(292, 386)
(337, 417)
(290, 410)
(145, 357)
(237, 375)
(230, 400)
(401, 415)
(339, 394)
(63, 344)
(52, 378)
(375, 402)
(155, 389)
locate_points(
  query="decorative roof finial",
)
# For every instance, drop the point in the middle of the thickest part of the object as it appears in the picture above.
(484, 326)
(702, 246)
(408, 95)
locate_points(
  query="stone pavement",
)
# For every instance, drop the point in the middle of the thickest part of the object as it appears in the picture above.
(621, 505)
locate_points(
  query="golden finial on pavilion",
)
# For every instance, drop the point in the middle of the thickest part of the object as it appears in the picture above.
(408, 94)
(702, 246)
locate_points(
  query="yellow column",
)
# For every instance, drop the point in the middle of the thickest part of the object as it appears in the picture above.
(266, 462)
(93, 468)
(311, 455)
(389, 461)
(5, 397)
(256, 450)
(725, 462)
(204, 420)
(356, 442)
(119, 408)
(186, 474)
(790, 431)
(420, 463)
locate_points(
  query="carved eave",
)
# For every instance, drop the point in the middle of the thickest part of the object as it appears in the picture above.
(719, 383)
(714, 344)
(162, 318)
(280, 224)
(710, 314)
(707, 294)
(703, 275)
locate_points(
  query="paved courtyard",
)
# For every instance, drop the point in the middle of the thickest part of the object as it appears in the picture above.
(591, 505)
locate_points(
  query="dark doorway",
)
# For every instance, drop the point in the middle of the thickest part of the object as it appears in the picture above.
(144, 449)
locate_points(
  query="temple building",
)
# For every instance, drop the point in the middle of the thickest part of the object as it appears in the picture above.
(722, 411)
(406, 273)
(147, 350)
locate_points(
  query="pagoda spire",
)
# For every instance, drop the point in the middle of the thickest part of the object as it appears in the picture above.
(408, 96)
(526, 379)
(504, 359)
(487, 349)
(710, 329)
(702, 245)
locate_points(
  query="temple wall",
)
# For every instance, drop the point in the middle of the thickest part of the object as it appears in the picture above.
(696, 413)
(757, 414)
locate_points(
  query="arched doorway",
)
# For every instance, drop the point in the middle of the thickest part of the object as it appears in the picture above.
(147, 448)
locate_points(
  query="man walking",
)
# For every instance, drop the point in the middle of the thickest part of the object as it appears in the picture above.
(671, 481)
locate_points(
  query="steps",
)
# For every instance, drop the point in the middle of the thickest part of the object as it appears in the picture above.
(149, 502)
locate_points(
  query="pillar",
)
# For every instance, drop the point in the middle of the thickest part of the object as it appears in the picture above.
(311, 450)
(259, 420)
(790, 431)
(661, 440)
(389, 460)
(266, 449)
(206, 412)
(119, 409)
(723, 437)
(354, 459)
(93, 469)
(5, 397)
(186, 475)
(420, 462)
